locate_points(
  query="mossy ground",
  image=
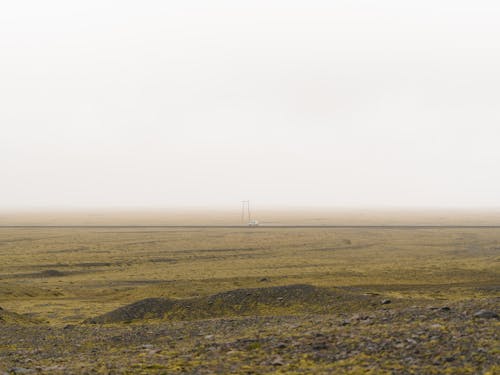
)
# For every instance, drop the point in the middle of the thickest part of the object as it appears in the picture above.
(61, 277)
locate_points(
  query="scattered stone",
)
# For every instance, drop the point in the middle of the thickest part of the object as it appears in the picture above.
(360, 317)
(21, 370)
(209, 337)
(264, 279)
(486, 314)
(49, 369)
(385, 301)
(147, 346)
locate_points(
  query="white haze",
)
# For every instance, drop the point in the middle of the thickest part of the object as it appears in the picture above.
(352, 103)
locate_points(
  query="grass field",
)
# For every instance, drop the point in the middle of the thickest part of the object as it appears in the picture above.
(60, 277)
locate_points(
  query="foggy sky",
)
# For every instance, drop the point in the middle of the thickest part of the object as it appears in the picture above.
(384, 103)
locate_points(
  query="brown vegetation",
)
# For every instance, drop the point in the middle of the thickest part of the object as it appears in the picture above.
(249, 300)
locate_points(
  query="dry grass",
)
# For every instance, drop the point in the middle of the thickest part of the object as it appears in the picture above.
(220, 300)
(70, 274)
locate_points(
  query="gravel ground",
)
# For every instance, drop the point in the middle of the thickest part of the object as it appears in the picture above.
(456, 338)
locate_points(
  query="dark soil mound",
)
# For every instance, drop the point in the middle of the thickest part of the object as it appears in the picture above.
(149, 308)
(8, 317)
(290, 299)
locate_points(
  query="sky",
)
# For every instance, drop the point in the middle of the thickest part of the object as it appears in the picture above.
(157, 104)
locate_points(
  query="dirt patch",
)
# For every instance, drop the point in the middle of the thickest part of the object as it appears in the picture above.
(51, 273)
(289, 299)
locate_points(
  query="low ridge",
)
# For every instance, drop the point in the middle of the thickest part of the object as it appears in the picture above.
(288, 299)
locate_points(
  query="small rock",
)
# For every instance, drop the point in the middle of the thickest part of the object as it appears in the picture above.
(264, 279)
(147, 346)
(319, 345)
(359, 317)
(209, 337)
(277, 361)
(385, 302)
(445, 308)
(486, 314)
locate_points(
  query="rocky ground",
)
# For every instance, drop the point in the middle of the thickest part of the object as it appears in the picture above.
(456, 338)
(249, 300)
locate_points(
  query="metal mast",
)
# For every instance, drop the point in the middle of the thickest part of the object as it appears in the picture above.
(243, 211)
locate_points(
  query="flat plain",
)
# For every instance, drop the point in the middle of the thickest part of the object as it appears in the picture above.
(249, 300)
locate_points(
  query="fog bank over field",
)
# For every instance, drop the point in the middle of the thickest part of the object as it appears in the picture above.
(265, 216)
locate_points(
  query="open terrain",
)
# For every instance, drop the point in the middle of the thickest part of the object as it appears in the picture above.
(249, 300)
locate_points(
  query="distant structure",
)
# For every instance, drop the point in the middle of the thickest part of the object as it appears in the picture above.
(245, 209)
